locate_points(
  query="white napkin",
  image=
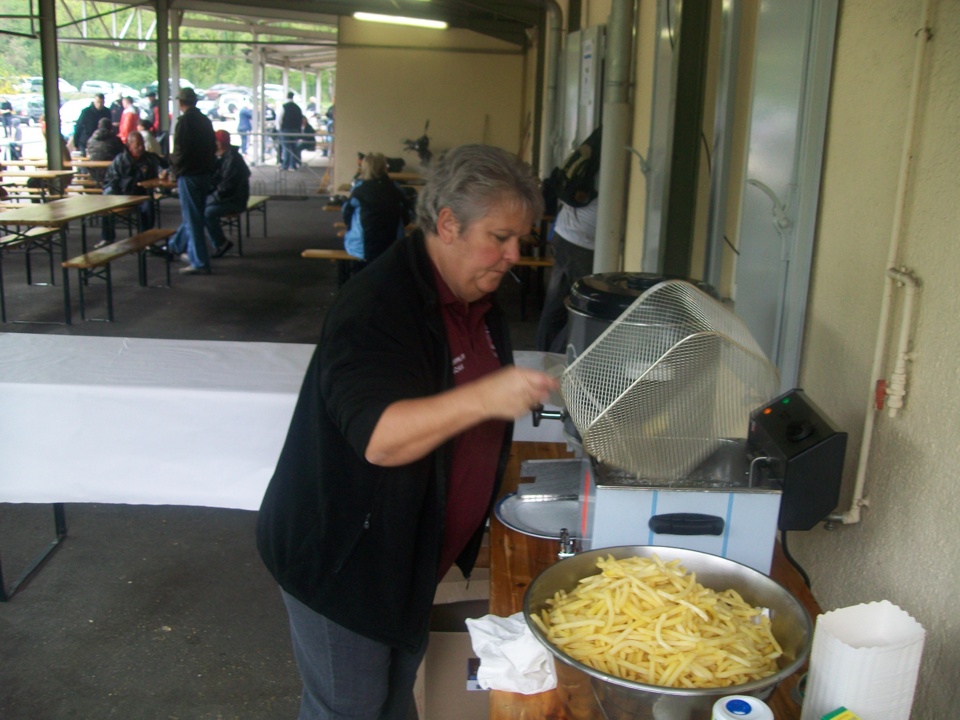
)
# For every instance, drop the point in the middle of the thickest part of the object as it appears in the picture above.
(511, 658)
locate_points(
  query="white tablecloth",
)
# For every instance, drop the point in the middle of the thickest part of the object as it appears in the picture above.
(143, 421)
(155, 422)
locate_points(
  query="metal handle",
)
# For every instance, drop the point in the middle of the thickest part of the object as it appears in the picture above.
(540, 414)
(686, 524)
(569, 546)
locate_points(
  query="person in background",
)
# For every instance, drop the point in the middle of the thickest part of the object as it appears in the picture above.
(231, 190)
(128, 119)
(88, 122)
(149, 141)
(116, 112)
(6, 115)
(15, 147)
(573, 241)
(375, 214)
(244, 123)
(399, 439)
(270, 122)
(193, 161)
(291, 117)
(307, 140)
(131, 167)
(154, 111)
(103, 145)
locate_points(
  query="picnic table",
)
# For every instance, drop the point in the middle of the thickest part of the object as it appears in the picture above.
(59, 214)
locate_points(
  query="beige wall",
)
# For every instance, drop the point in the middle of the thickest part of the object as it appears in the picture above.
(390, 82)
(907, 548)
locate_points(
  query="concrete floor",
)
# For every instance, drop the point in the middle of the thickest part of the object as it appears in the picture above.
(165, 612)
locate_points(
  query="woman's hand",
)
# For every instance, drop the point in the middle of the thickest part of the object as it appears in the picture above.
(410, 429)
(512, 391)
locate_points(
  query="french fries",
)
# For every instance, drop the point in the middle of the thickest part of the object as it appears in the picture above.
(650, 621)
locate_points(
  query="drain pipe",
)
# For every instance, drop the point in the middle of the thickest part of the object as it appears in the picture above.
(893, 277)
(616, 138)
(548, 126)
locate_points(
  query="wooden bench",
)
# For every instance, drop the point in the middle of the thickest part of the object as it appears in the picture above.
(23, 240)
(346, 263)
(257, 203)
(96, 263)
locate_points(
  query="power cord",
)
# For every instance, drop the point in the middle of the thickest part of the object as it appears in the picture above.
(786, 552)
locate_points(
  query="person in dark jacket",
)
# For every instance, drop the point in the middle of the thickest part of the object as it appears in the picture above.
(376, 212)
(131, 167)
(291, 117)
(230, 192)
(88, 122)
(103, 145)
(399, 439)
(245, 123)
(193, 161)
(307, 140)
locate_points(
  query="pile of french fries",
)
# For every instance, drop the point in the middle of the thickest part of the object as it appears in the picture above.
(649, 621)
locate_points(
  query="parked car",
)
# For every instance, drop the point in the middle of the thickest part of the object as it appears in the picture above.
(125, 91)
(229, 103)
(215, 91)
(28, 107)
(275, 92)
(70, 113)
(207, 106)
(93, 87)
(152, 87)
(35, 85)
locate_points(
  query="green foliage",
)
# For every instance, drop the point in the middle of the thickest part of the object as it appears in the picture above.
(205, 59)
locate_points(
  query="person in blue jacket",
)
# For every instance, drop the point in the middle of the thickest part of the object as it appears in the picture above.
(399, 439)
(376, 213)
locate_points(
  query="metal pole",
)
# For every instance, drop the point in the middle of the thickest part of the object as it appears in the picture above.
(50, 68)
(163, 65)
(176, 18)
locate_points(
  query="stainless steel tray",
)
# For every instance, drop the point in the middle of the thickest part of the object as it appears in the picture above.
(538, 517)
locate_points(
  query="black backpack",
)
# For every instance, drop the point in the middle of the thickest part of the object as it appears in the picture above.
(575, 181)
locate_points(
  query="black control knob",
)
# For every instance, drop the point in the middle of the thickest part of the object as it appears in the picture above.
(799, 430)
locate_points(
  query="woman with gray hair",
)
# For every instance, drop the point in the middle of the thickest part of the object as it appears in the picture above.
(399, 439)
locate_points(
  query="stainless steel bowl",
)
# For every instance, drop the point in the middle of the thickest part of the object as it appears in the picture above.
(589, 693)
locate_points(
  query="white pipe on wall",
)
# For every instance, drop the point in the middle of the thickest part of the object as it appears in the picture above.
(897, 384)
(859, 500)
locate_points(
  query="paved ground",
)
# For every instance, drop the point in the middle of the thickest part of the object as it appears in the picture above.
(166, 612)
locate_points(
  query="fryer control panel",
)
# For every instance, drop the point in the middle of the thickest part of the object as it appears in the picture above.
(805, 451)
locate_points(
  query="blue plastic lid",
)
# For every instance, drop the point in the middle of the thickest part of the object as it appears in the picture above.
(736, 706)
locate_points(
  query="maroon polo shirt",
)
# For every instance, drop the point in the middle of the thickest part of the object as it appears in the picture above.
(476, 451)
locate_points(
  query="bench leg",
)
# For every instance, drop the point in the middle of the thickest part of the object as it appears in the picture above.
(109, 296)
(240, 236)
(3, 305)
(81, 281)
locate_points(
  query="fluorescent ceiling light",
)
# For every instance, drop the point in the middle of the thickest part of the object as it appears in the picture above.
(398, 20)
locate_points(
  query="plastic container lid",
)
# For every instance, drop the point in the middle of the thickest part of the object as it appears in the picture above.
(607, 295)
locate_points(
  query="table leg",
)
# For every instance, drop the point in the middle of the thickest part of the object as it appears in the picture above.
(60, 528)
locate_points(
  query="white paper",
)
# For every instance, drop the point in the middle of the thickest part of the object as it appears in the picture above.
(511, 658)
(865, 658)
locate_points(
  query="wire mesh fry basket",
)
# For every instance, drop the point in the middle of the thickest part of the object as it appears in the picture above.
(668, 380)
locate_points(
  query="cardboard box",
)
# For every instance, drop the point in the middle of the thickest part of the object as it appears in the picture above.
(448, 672)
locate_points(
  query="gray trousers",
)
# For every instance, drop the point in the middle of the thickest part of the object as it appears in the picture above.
(346, 675)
